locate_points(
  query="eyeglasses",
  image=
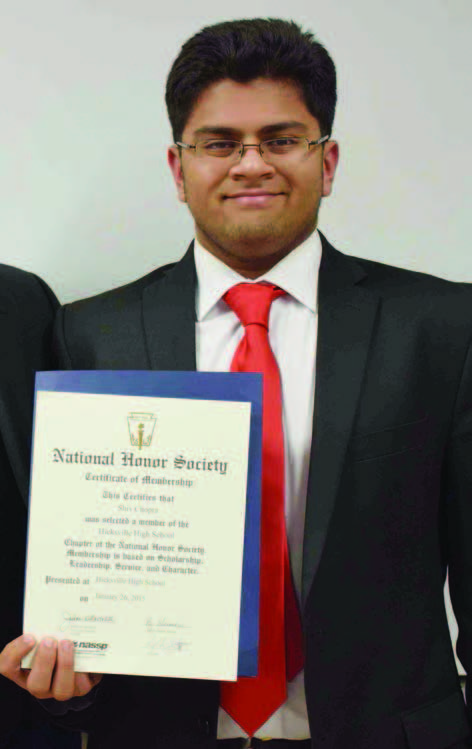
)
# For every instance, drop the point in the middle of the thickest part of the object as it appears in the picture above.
(271, 151)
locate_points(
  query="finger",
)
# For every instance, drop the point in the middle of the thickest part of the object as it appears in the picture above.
(39, 680)
(11, 657)
(63, 685)
(85, 682)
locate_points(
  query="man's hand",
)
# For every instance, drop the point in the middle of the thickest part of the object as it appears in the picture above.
(52, 674)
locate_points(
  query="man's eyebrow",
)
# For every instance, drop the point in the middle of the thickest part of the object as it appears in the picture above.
(233, 132)
(276, 127)
(217, 130)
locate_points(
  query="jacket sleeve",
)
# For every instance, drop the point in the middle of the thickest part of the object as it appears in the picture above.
(29, 306)
(458, 519)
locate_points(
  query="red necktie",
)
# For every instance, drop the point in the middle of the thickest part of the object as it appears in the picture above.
(251, 701)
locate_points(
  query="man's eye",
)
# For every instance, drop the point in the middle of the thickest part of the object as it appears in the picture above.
(219, 147)
(282, 144)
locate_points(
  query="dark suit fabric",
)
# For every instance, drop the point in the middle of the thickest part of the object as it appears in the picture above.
(389, 504)
(27, 309)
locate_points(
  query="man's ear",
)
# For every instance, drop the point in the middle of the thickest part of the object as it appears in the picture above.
(175, 164)
(330, 162)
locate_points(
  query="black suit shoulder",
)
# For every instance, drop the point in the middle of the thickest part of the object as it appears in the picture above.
(421, 295)
(27, 308)
(109, 321)
(392, 276)
(438, 310)
(114, 298)
(25, 295)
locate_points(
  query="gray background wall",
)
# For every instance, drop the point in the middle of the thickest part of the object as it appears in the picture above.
(86, 199)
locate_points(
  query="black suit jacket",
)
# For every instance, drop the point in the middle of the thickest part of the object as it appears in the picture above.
(27, 309)
(389, 504)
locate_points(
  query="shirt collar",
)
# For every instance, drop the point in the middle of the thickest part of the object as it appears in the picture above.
(296, 273)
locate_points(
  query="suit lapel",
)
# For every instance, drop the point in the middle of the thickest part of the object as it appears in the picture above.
(346, 317)
(169, 317)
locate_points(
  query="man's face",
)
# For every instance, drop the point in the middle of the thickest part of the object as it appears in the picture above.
(248, 213)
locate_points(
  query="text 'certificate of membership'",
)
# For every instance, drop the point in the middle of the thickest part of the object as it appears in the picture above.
(137, 520)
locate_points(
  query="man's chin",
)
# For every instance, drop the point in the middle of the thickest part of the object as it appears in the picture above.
(250, 240)
(253, 235)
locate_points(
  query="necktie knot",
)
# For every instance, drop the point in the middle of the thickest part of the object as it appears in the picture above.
(251, 302)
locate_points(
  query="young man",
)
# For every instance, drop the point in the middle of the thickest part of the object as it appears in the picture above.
(376, 393)
(27, 309)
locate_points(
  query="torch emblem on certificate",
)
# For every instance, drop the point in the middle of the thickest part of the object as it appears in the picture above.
(141, 429)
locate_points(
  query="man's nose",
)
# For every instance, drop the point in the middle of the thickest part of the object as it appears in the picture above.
(251, 161)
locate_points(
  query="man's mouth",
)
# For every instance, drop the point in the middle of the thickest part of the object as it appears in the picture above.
(255, 198)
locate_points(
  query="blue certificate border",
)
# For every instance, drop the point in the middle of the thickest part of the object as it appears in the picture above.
(225, 386)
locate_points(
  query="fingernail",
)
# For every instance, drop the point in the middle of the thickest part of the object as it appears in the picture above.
(28, 640)
(48, 642)
(66, 646)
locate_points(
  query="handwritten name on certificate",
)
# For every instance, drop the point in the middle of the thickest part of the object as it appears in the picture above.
(136, 531)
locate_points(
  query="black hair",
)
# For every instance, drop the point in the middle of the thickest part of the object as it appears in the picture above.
(246, 49)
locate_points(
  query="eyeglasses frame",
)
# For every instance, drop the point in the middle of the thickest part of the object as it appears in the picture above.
(259, 145)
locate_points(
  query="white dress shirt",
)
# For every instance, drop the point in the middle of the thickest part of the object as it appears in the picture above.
(293, 324)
